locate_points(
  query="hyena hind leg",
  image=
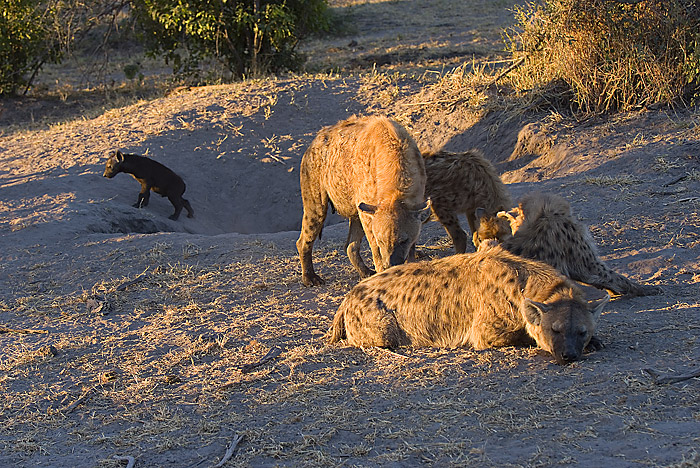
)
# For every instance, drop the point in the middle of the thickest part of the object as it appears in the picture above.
(369, 322)
(621, 285)
(451, 224)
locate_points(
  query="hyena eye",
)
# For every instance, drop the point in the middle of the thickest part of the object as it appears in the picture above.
(582, 333)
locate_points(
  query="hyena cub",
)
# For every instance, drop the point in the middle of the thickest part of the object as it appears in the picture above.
(152, 175)
(460, 183)
(544, 229)
(485, 299)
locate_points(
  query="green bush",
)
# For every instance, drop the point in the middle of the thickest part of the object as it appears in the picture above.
(608, 55)
(247, 37)
(25, 43)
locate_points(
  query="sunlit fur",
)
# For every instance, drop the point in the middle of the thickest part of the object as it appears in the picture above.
(371, 171)
(543, 228)
(486, 299)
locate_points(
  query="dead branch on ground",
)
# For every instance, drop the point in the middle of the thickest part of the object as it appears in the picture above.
(80, 399)
(126, 284)
(21, 330)
(130, 460)
(229, 451)
(273, 353)
(660, 378)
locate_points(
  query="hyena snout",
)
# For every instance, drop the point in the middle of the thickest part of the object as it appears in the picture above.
(398, 256)
(568, 355)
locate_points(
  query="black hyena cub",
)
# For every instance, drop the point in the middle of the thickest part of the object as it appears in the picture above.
(152, 175)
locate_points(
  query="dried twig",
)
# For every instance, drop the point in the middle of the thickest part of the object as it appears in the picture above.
(126, 284)
(229, 451)
(81, 399)
(683, 200)
(675, 181)
(20, 330)
(509, 69)
(660, 378)
(131, 461)
(391, 353)
(273, 353)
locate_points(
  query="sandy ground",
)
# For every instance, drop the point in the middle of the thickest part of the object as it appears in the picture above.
(133, 335)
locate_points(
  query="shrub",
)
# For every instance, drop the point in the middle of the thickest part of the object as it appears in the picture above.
(37, 32)
(25, 44)
(608, 55)
(248, 37)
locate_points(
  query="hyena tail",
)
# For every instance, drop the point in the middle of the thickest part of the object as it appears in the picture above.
(337, 330)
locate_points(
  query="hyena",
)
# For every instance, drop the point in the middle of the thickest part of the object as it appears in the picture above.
(485, 299)
(544, 229)
(371, 171)
(152, 175)
(461, 183)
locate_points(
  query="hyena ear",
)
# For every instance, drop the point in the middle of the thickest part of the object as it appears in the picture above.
(535, 310)
(596, 306)
(511, 217)
(506, 215)
(365, 208)
(423, 214)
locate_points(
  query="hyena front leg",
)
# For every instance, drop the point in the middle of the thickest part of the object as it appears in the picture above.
(144, 196)
(352, 247)
(311, 226)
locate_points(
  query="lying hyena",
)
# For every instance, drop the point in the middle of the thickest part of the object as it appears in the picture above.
(461, 183)
(485, 299)
(372, 172)
(544, 229)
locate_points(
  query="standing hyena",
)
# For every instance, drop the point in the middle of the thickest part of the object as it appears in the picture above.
(461, 183)
(372, 172)
(544, 229)
(485, 299)
(152, 175)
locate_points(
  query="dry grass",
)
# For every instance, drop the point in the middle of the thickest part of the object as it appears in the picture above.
(161, 370)
(599, 56)
(612, 181)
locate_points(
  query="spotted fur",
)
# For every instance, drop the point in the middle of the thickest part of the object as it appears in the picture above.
(485, 299)
(543, 228)
(461, 183)
(371, 171)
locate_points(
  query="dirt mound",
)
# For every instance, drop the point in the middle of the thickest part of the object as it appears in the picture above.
(237, 148)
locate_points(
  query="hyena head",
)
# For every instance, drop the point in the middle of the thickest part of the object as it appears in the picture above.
(491, 226)
(114, 164)
(563, 327)
(396, 228)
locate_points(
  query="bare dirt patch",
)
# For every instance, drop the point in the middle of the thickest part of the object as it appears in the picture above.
(132, 335)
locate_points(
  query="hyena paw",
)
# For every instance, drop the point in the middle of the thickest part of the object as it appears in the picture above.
(312, 279)
(594, 345)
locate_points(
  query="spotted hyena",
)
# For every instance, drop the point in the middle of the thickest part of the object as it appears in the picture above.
(543, 228)
(461, 183)
(485, 299)
(371, 171)
(152, 175)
